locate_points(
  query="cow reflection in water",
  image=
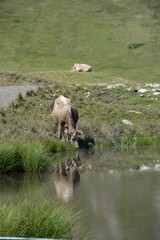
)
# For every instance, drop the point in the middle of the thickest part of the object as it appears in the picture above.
(67, 178)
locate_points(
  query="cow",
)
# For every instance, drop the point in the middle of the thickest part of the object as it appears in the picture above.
(66, 178)
(65, 116)
(81, 68)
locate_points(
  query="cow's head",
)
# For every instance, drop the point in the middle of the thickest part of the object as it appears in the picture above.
(73, 69)
(73, 136)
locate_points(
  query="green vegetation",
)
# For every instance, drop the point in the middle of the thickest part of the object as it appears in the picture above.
(10, 158)
(29, 156)
(48, 35)
(102, 110)
(38, 220)
(40, 42)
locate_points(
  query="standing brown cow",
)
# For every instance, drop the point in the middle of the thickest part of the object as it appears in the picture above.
(65, 116)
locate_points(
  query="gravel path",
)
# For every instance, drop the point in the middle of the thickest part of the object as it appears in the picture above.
(10, 93)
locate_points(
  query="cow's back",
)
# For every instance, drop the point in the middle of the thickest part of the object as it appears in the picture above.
(61, 109)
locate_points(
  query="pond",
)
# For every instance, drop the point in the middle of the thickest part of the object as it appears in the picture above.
(118, 191)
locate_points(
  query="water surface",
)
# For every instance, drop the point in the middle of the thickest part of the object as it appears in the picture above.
(119, 196)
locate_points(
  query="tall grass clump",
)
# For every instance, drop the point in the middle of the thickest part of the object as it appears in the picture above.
(10, 158)
(144, 140)
(40, 220)
(52, 146)
(133, 140)
(30, 156)
(34, 157)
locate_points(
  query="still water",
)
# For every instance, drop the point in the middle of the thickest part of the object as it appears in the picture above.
(119, 199)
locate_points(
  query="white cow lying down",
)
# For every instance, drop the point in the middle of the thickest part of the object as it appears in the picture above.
(81, 68)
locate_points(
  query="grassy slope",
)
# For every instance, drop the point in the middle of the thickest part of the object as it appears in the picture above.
(53, 35)
(42, 39)
(100, 114)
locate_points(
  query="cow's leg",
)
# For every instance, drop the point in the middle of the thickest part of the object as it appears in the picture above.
(63, 128)
(68, 138)
(60, 168)
(59, 131)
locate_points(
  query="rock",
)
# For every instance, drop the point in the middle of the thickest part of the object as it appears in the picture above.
(127, 122)
(142, 90)
(157, 167)
(115, 85)
(153, 85)
(89, 166)
(144, 168)
(111, 171)
(156, 93)
(129, 89)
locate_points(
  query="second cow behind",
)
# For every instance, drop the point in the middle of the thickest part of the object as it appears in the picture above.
(65, 116)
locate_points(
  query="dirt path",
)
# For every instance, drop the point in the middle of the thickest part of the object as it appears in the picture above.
(10, 93)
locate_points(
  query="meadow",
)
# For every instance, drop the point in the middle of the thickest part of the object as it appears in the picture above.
(52, 36)
(102, 110)
(42, 40)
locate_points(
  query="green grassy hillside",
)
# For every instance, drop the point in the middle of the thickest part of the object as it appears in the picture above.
(53, 35)
(102, 110)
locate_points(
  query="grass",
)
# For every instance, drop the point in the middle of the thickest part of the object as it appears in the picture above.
(129, 140)
(38, 220)
(37, 36)
(52, 146)
(10, 158)
(100, 116)
(38, 48)
(33, 157)
(29, 156)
